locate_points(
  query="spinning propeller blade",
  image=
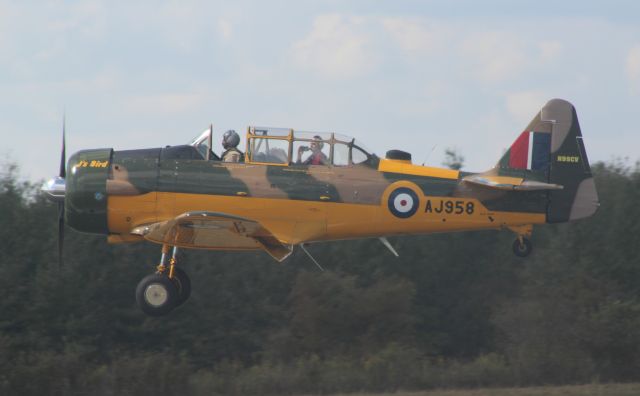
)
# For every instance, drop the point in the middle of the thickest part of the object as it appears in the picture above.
(60, 232)
(63, 159)
(63, 174)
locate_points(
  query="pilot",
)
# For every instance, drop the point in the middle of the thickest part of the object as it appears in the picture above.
(230, 141)
(317, 157)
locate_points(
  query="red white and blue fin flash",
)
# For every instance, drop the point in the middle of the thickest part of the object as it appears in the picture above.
(531, 151)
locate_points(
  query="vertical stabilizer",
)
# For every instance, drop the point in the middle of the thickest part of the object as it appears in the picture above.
(551, 150)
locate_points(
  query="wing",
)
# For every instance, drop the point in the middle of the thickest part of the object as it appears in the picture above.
(218, 231)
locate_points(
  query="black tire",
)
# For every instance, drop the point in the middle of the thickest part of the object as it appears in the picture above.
(183, 284)
(156, 295)
(522, 249)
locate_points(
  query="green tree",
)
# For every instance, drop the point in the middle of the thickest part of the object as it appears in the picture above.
(453, 159)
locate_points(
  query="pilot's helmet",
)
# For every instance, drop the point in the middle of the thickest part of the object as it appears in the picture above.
(230, 139)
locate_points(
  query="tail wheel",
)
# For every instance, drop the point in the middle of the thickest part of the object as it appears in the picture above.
(522, 247)
(157, 295)
(183, 284)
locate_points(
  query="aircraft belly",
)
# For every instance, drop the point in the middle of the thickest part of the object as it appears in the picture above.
(290, 221)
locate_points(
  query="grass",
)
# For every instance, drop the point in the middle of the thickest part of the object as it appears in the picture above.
(569, 390)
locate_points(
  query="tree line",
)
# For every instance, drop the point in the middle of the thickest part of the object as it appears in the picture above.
(454, 310)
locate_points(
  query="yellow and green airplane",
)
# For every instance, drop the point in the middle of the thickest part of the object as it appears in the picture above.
(294, 188)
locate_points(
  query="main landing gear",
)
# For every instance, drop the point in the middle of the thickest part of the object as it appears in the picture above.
(158, 294)
(522, 246)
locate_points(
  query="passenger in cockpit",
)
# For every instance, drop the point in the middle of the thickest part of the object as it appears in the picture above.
(317, 157)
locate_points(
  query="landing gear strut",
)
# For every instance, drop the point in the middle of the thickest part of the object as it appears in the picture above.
(158, 294)
(522, 246)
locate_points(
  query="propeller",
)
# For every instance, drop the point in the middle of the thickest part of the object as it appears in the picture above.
(62, 175)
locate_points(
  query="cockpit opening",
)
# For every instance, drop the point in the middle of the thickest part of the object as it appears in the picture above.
(284, 147)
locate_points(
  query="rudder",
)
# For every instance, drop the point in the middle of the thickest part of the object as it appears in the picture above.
(569, 165)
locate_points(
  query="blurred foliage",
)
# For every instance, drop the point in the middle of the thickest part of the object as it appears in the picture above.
(454, 310)
(453, 159)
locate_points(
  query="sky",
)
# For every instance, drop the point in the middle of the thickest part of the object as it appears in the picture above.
(419, 76)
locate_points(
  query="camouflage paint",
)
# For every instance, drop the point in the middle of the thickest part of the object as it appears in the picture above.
(301, 203)
(568, 164)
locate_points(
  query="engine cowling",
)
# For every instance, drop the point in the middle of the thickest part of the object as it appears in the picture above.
(86, 190)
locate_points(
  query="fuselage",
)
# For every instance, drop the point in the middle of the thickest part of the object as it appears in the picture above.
(297, 203)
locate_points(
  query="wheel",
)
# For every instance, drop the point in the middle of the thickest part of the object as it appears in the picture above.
(183, 284)
(156, 295)
(522, 249)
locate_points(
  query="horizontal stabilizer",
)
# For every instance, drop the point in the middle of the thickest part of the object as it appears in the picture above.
(510, 183)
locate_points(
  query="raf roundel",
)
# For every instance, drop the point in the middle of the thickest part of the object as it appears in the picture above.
(403, 202)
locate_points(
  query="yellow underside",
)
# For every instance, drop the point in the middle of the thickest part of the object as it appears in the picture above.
(294, 222)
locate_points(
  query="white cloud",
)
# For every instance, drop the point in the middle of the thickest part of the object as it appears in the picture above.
(633, 69)
(522, 106)
(164, 103)
(87, 18)
(414, 35)
(495, 56)
(102, 81)
(337, 47)
(549, 50)
(10, 15)
(225, 28)
(32, 37)
(503, 55)
(181, 25)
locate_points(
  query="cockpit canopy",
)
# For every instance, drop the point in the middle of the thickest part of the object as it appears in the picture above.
(284, 146)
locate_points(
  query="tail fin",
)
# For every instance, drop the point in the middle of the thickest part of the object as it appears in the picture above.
(551, 151)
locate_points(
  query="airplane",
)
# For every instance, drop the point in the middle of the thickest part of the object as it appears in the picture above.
(185, 197)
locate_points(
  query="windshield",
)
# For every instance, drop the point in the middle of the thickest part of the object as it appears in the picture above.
(203, 143)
